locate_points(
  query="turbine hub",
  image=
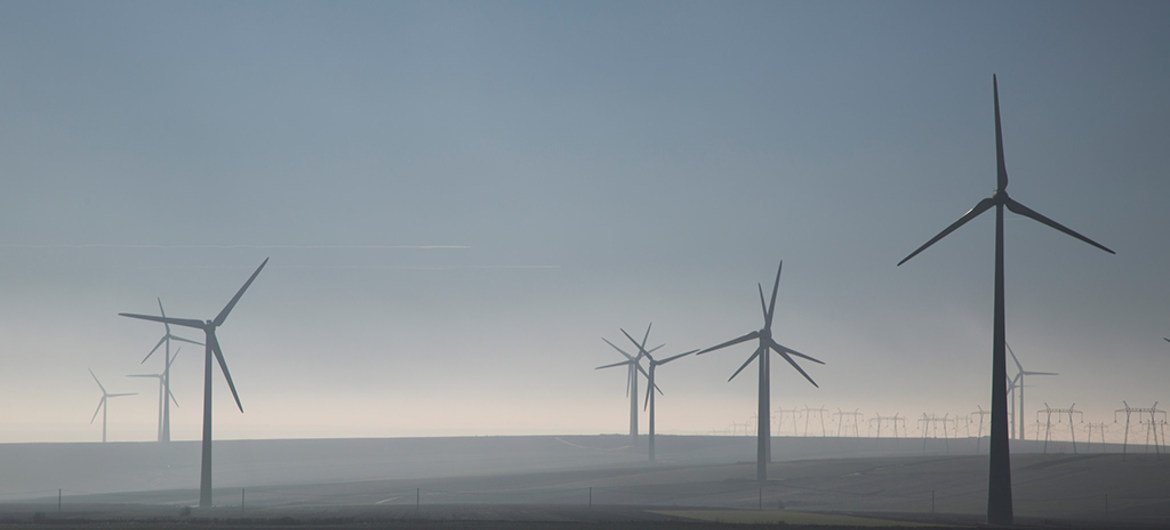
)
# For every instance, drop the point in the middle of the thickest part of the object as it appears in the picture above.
(765, 333)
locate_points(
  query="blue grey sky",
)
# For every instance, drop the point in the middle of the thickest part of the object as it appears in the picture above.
(460, 198)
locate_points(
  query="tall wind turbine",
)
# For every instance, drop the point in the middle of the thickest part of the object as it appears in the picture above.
(211, 347)
(1018, 382)
(164, 432)
(103, 405)
(164, 394)
(650, 384)
(634, 366)
(999, 491)
(765, 343)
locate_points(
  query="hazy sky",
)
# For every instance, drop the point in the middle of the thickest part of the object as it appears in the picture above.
(585, 166)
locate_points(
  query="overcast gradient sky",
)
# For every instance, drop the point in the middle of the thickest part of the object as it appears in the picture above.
(585, 166)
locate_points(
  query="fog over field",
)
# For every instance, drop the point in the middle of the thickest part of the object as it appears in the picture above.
(445, 207)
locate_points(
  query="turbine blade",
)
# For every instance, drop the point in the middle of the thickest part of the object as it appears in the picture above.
(780, 348)
(638, 365)
(775, 289)
(1018, 208)
(172, 395)
(152, 350)
(629, 380)
(228, 308)
(647, 335)
(623, 363)
(1019, 366)
(621, 351)
(173, 357)
(1166, 339)
(163, 313)
(1041, 373)
(732, 342)
(144, 375)
(646, 401)
(980, 207)
(101, 402)
(745, 364)
(188, 341)
(122, 394)
(654, 349)
(188, 322)
(1001, 177)
(676, 356)
(95, 379)
(641, 347)
(798, 368)
(223, 366)
(763, 304)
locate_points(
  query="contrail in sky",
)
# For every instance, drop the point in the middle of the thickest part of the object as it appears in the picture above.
(304, 247)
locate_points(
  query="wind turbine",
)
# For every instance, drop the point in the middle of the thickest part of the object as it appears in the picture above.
(211, 347)
(650, 384)
(1018, 382)
(103, 407)
(634, 366)
(766, 342)
(164, 432)
(999, 491)
(164, 394)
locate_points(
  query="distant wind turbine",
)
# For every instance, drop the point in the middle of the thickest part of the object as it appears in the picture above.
(164, 394)
(999, 491)
(164, 431)
(211, 347)
(765, 343)
(633, 364)
(1018, 383)
(103, 405)
(650, 384)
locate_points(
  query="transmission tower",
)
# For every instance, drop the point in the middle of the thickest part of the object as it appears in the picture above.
(1152, 425)
(793, 413)
(930, 424)
(808, 412)
(1100, 427)
(881, 420)
(982, 414)
(1049, 411)
(855, 418)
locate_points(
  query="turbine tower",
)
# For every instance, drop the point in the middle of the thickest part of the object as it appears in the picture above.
(103, 407)
(766, 343)
(1018, 382)
(999, 491)
(650, 384)
(164, 432)
(164, 395)
(634, 365)
(211, 348)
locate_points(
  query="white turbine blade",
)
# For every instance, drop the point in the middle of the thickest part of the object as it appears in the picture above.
(223, 364)
(641, 347)
(101, 402)
(775, 288)
(732, 342)
(95, 379)
(188, 322)
(621, 351)
(1040, 373)
(1019, 367)
(173, 357)
(155, 348)
(228, 308)
(172, 395)
(763, 304)
(1028, 212)
(629, 379)
(122, 394)
(798, 368)
(646, 337)
(654, 349)
(188, 341)
(162, 312)
(676, 356)
(782, 348)
(745, 364)
(980, 207)
(623, 363)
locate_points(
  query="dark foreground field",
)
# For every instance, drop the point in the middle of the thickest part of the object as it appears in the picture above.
(595, 482)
